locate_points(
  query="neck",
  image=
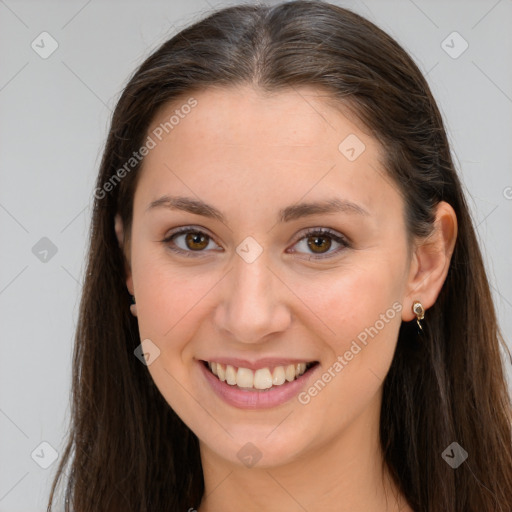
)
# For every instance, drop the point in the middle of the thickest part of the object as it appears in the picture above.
(344, 474)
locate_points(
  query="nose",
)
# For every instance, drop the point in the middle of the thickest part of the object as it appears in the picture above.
(254, 302)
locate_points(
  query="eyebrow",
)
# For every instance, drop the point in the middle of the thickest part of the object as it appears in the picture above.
(292, 212)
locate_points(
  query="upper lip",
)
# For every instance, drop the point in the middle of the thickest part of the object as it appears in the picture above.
(266, 362)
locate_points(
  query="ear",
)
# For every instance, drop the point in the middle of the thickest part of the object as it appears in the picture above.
(430, 261)
(119, 228)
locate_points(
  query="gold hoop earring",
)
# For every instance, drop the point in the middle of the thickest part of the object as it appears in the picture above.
(419, 311)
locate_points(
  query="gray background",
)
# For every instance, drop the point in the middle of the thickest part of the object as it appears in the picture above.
(54, 119)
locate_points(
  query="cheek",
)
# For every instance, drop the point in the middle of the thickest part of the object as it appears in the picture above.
(354, 298)
(170, 305)
(360, 311)
(170, 299)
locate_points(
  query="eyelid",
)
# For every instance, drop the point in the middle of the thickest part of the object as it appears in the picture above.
(323, 231)
(188, 229)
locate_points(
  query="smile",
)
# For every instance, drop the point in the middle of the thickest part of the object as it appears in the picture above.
(260, 379)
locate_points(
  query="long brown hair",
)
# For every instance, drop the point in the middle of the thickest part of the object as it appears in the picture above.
(127, 450)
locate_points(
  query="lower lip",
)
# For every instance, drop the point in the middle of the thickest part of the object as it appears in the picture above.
(256, 399)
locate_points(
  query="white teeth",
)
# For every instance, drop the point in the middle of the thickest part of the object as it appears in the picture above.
(230, 375)
(262, 378)
(244, 378)
(221, 372)
(290, 372)
(278, 376)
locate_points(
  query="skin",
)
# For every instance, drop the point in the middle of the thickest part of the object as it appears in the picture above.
(249, 155)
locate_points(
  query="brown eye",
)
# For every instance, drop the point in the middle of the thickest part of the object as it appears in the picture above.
(319, 244)
(187, 241)
(196, 241)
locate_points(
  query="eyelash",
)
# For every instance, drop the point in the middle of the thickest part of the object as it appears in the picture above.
(320, 232)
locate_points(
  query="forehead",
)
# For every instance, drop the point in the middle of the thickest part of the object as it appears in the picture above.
(264, 146)
(244, 115)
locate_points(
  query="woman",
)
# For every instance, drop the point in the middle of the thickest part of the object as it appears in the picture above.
(285, 306)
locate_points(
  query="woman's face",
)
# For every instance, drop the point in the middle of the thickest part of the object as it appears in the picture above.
(250, 288)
